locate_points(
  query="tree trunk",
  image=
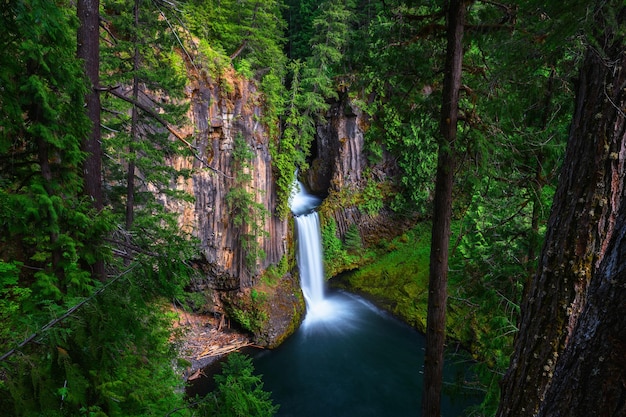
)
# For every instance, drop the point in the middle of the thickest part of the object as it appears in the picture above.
(442, 214)
(590, 378)
(580, 227)
(134, 126)
(89, 51)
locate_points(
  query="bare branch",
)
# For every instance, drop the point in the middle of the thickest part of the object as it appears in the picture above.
(65, 315)
(114, 91)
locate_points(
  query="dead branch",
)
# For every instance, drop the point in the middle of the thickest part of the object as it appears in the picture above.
(239, 50)
(114, 91)
(65, 315)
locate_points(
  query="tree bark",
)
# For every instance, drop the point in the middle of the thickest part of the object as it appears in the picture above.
(581, 224)
(590, 378)
(134, 128)
(88, 49)
(442, 214)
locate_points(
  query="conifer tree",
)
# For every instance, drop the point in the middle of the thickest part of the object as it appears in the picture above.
(145, 79)
(40, 145)
(580, 246)
(88, 49)
(442, 213)
(50, 236)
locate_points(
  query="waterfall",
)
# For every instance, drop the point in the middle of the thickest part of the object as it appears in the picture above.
(309, 256)
(310, 259)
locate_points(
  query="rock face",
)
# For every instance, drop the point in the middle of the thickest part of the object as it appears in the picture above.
(219, 114)
(339, 158)
(218, 117)
(339, 164)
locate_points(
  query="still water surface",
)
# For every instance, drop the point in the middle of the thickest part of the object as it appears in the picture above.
(350, 359)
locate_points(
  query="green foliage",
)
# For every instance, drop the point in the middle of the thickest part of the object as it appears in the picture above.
(249, 310)
(353, 241)
(299, 15)
(336, 255)
(12, 296)
(312, 84)
(115, 357)
(274, 273)
(254, 27)
(289, 155)
(399, 79)
(239, 392)
(371, 199)
(49, 236)
(138, 58)
(247, 34)
(251, 318)
(397, 278)
(101, 358)
(330, 36)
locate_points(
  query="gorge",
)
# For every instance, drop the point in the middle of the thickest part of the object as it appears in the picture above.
(220, 117)
(147, 150)
(348, 357)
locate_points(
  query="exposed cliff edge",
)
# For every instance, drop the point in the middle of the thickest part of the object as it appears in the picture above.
(342, 170)
(230, 109)
(221, 112)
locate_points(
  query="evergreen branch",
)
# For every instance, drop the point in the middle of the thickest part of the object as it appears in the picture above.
(421, 17)
(151, 113)
(162, 121)
(436, 29)
(104, 24)
(180, 42)
(65, 315)
(129, 246)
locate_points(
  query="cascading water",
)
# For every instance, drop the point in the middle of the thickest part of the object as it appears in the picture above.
(310, 258)
(348, 358)
(310, 263)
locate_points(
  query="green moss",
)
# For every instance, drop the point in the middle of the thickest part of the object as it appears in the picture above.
(398, 282)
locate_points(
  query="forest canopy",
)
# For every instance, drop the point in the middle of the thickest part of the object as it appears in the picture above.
(93, 101)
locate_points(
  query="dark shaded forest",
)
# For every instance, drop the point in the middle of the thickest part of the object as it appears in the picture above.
(500, 127)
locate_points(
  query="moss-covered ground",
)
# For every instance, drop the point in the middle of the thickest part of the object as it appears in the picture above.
(397, 281)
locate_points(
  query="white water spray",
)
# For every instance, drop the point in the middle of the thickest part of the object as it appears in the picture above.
(310, 263)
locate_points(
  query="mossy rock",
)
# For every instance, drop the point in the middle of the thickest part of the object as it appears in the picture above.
(271, 313)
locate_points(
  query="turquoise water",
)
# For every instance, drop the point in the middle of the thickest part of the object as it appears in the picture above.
(351, 359)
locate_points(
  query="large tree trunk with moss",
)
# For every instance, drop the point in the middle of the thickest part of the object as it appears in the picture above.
(442, 215)
(581, 224)
(590, 378)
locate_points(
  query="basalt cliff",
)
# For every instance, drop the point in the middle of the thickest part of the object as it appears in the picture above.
(222, 112)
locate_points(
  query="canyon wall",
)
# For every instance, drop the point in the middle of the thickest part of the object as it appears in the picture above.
(220, 112)
(341, 166)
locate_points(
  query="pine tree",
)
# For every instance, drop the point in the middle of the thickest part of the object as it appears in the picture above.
(145, 79)
(442, 213)
(581, 229)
